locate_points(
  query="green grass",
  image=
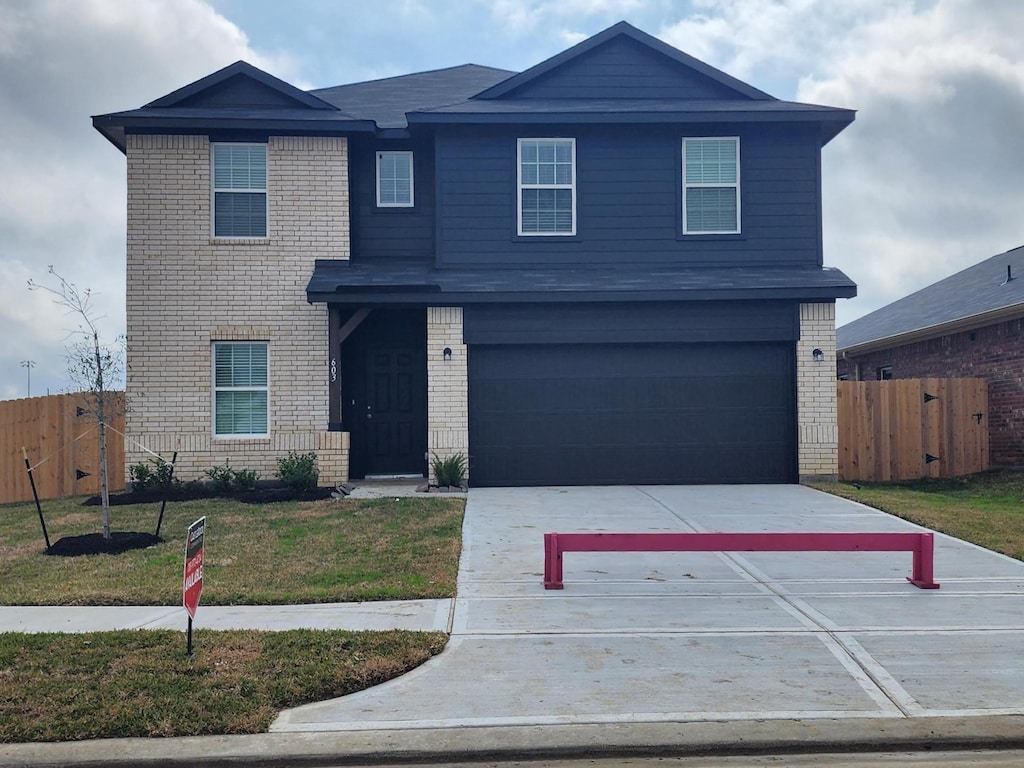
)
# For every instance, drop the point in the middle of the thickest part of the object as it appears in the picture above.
(281, 553)
(986, 508)
(118, 684)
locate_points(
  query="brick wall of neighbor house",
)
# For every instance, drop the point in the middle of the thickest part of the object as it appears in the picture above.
(187, 290)
(994, 353)
(818, 433)
(447, 384)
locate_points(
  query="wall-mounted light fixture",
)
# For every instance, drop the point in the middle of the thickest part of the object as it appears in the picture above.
(818, 356)
(447, 353)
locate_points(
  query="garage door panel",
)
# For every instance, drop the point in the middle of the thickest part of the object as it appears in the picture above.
(659, 413)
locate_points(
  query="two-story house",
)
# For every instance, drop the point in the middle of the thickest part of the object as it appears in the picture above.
(605, 269)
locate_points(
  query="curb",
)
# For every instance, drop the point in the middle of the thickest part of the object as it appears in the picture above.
(619, 740)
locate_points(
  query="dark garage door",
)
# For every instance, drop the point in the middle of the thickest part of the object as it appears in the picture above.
(581, 414)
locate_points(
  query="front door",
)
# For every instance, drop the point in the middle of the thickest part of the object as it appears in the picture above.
(384, 393)
(394, 413)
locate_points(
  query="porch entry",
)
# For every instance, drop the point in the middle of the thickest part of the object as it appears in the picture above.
(384, 393)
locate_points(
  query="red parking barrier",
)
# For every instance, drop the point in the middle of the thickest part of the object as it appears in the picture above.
(921, 544)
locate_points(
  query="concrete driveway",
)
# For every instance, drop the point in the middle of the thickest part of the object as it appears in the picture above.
(697, 637)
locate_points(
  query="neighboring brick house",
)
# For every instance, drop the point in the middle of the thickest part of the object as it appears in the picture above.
(604, 269)
(970, 324)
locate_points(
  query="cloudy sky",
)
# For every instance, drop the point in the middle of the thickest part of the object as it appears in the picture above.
(923, 184)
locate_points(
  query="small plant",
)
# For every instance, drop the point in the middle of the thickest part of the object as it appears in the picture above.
(245, 479)
(227, 479)
(143, 477)
(298, 470)
(221, 478)
(450, 470)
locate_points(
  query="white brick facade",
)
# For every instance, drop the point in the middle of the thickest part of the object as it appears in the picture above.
(447, 384)
(818, 432)
(187, 290)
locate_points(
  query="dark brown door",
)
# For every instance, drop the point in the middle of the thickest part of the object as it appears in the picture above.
(394, 412)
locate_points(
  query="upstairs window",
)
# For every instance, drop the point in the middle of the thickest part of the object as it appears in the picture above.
(240, 389)
(394, 180)
(883, 373)
(239, 190)
(711, 186)
(547, 186)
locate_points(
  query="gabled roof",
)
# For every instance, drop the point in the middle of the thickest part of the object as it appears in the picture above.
(237, 97)
(188, 95)
(621, 30)
(977, 296)
(387, 101)
(631, 77)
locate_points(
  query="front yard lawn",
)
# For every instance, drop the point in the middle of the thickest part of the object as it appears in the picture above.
(280, 553)
(140, 683)
(986, 508)
(60, 687)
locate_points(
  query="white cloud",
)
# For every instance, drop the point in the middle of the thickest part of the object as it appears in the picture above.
(63, 197)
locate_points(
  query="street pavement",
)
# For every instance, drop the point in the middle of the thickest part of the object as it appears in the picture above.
(663, 654)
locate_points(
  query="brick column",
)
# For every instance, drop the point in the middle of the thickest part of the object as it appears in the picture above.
(447, 384)
(818, 432)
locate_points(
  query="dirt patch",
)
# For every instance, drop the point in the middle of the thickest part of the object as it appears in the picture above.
(95, 544)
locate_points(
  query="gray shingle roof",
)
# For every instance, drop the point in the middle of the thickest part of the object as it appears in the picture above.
(977, 290)
(363, 282)
(386, 101)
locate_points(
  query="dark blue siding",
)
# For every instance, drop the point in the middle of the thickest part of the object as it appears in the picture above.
(239, 91)
(378, 234)
(623, 66)
(629, 199)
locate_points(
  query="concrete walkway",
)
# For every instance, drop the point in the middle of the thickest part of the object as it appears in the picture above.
(644, 654)
(425, 615)
(702, 637)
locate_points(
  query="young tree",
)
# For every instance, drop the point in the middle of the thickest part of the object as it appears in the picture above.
(92, 366)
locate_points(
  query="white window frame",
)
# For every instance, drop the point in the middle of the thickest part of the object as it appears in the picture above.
(709, 185)
(251, 388)
(213, 190)
(520, 186)
(412, 179)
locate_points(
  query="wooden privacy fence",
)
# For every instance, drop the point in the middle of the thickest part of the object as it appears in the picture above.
(65, 440)
(906, 429)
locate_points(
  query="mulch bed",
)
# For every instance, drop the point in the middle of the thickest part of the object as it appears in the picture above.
(190, 492)
(95, 544)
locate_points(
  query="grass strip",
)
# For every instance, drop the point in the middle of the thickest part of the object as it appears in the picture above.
(986, 509)
(279, 553)
(56, 687)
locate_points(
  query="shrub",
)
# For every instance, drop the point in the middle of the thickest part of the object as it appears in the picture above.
(143, 477)
(298, 470)
(227, 479)
(220, 477)
(450, 470)
(245, 479)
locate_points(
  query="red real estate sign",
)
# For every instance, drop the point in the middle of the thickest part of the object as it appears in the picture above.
(193, 567)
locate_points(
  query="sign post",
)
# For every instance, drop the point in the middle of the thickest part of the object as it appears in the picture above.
(193, 586)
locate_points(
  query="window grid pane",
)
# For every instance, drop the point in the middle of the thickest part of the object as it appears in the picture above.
(711, 185)
(546, 186)
(240, 190)
(240, 382)
(394, 178)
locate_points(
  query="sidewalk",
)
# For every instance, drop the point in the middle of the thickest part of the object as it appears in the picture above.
(423, 615)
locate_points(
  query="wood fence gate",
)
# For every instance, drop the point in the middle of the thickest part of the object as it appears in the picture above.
(63, 441)
(905, 429)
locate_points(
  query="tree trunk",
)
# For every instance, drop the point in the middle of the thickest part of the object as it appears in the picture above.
(101, 417)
